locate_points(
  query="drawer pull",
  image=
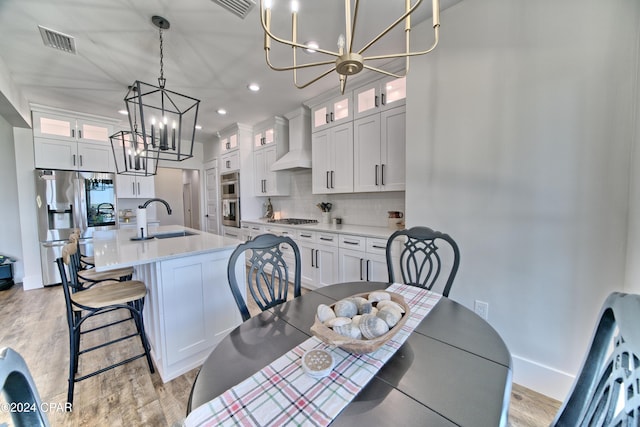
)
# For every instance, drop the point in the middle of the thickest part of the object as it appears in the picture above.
(351, 243)
(327, 239)
(305, 235)
(379, 247)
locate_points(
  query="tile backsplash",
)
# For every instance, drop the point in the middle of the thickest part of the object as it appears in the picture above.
(354, 208)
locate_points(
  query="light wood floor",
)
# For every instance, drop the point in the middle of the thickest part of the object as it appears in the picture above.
(34, 324)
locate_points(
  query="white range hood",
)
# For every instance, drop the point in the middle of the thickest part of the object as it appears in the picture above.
(299, 155)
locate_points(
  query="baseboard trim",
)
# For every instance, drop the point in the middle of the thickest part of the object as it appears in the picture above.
(543, 379)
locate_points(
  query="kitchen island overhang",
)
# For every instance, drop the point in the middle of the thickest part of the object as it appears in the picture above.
(189, 307)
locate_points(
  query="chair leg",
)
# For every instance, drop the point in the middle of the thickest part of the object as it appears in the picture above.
(143, 336)
(74, 335)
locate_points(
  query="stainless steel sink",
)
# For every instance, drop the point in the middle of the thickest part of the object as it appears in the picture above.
(174, 234)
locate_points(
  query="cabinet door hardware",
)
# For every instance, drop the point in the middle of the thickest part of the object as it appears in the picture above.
(327, 179)
(376, 174)
(138, 189)
(305, 235)
(73, 133)
(133, 188)
(379, 247)
(332, 116)
(327, 239)
(79, 133)
(375, 102)
(326, 118)
(228, 164)
(317, 265)
(332, 178)
(361, 268)
(368, 262)
(74, 160)
(80, 158)
(384, 102)
(382, 174)
(351, 243)
(312, 258)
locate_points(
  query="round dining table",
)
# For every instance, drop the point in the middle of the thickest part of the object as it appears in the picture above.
(454, 368)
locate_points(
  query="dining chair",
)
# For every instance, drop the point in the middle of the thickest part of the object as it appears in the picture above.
(606, 391)
(83, 304)
(421, 257)
(20, 391)
(267, 273)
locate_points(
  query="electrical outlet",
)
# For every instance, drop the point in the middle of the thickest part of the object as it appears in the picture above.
(482, 309)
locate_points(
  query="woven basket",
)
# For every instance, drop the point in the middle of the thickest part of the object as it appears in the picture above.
(328, 336)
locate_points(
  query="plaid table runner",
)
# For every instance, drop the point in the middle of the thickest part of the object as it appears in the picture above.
(282, 394)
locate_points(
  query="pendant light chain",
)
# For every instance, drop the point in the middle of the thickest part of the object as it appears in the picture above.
(161, 80)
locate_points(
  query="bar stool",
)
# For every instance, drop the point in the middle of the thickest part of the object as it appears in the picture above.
(87, 277)
(83, 303)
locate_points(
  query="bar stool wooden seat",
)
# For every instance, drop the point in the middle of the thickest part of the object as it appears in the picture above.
(83, 303)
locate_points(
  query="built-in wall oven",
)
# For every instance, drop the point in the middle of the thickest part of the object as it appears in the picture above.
(230, 191)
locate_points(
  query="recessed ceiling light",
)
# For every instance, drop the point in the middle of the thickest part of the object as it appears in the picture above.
(198, 127)
(222, 111)
(123, 112)
(254, 87)
(311, 46)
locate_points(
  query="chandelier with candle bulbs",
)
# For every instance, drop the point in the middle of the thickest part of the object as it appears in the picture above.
(162, 122)
(346, 60)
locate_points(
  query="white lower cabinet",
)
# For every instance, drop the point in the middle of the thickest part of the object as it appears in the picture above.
(319, 258)
(362, 259)
(189, 308)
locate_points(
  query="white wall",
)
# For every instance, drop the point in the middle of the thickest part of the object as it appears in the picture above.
(10, 242)
(169, 187)
(519, 136)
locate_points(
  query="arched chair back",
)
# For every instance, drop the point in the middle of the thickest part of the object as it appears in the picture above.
(606, 392)
(268, 274)
(20, 390)
(420, 261)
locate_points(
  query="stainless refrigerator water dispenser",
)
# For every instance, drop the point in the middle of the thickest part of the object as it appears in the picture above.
(66, 200)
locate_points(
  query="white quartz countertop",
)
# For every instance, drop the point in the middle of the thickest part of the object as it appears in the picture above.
(115, 249)
(358, 230)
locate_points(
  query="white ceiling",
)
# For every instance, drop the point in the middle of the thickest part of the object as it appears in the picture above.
(209, 53)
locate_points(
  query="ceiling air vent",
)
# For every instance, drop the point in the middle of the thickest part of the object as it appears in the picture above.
(57, 40)
(239, 8)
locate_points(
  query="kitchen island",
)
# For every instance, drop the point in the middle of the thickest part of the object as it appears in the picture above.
(189, 307)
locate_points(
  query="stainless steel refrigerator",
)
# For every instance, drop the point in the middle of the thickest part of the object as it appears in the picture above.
(67, 200)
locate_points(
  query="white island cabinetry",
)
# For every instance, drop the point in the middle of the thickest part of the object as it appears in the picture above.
(189, 307)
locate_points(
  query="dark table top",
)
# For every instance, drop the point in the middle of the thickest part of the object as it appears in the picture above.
(454, 369)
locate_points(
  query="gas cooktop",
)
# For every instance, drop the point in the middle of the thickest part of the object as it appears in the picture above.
(293, 221)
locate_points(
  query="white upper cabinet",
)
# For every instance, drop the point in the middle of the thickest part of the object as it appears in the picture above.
(379, 96)
(64, 140)
(336, 111)
(135, 187)
(379, 152)
(264, 138)
(269, 183)
(228, 142)
(68, 128)
(270, 142)
(332, 159)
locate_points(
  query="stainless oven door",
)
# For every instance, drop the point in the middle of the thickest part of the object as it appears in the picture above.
(231, 212)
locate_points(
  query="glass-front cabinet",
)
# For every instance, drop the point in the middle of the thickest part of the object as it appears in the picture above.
(379, 96)
(333, 112)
